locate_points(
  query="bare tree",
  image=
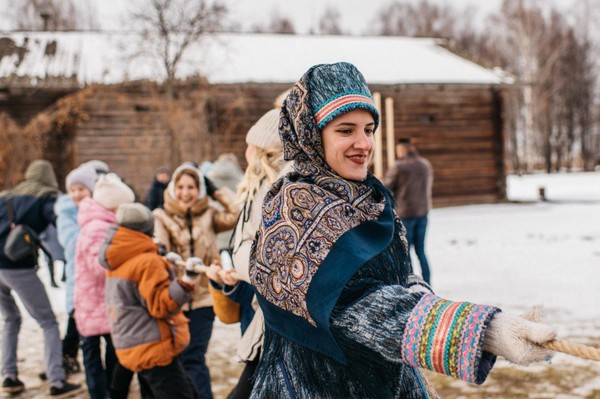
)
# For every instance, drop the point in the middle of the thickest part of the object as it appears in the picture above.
(329, 23)
(281, 24)
(554, 79)
(423, 19)
(46, 15)
(169, 27)
(586, 14)
(552, 119)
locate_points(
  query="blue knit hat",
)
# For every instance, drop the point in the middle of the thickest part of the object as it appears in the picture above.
(336, 89)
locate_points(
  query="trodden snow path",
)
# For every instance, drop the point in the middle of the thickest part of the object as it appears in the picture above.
(511, 255)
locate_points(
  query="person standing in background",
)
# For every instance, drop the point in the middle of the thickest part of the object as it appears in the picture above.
(31, 203)
(225, 172)
(79, 184)
(187, 230)
(264, 155)
(156, 192)
(410, 180)
(95, 216)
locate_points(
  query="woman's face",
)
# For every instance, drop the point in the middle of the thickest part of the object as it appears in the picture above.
(250, 152)
(77, 192)
(186, 191)
(348, 144)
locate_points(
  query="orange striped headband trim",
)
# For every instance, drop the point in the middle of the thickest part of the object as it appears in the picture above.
(332, 108)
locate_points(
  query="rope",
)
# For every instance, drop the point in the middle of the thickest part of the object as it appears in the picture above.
(204, 269)
(574, 349)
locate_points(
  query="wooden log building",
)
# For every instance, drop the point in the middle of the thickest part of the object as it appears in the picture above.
(451, 107)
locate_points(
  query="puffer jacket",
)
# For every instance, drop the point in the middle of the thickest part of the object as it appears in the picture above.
(33, 205)
(90, 276)
(68, 231)
(143, 301)
(193, 232)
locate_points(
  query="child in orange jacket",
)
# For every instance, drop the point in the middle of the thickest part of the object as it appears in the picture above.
(144, 301)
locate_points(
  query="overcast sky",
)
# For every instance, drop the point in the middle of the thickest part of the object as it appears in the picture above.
(357, 16)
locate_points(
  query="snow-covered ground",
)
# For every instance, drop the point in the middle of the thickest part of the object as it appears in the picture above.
(525, 252)
(512, 255)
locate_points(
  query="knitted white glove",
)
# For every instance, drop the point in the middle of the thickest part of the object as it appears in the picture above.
(173, 257)
(193, 272)
(515, 338)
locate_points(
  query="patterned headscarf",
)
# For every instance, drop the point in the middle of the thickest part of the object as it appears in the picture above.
(307, 211)
(323, 93)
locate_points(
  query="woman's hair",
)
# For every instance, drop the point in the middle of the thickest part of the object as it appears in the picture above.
(189, 173)
(266, 164)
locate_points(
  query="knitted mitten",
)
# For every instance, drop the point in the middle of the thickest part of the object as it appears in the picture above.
(515, 338)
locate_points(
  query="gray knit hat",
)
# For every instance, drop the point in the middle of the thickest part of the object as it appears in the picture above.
(336, 89)
(136, 217)
(84, 175)
(265, 132)
(100, 167)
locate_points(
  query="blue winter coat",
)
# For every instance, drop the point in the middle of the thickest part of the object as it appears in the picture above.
(68, 230)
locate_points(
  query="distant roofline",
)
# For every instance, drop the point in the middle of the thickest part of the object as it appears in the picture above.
(425, 60)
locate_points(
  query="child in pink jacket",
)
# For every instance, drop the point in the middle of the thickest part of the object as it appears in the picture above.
(95, 216)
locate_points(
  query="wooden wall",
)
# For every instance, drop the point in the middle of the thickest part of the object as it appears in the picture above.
(22, 104)
(130, 127)
(457, 127)
(250, 102)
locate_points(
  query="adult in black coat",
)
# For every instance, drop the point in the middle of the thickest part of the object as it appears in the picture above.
(155, 195)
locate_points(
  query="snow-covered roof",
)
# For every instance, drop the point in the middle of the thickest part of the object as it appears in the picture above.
(103, 57)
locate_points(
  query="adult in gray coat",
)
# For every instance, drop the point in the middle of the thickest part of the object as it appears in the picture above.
(410, 180)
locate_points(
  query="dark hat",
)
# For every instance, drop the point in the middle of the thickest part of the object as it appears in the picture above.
(163, 169)
(336, 89)
(136, 217)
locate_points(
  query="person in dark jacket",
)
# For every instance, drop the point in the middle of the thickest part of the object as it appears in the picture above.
(410, 180)
(33, 205)
(155, 198)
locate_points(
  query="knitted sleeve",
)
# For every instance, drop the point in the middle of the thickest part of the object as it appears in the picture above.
(421, 330)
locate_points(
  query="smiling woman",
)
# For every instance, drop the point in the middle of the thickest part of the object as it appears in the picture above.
(344, 315)
(187, 188)
(348, 144)
(187, 227)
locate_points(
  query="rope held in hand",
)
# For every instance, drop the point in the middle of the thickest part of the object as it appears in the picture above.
(574, 349)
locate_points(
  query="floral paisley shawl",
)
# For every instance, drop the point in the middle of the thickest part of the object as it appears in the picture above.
(305, 212)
